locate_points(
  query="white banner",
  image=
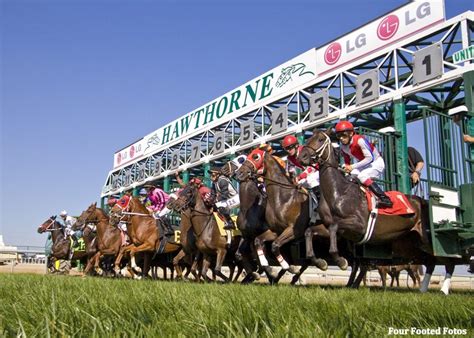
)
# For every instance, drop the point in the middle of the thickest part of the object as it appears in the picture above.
(128, 154)
(390, 28)
(252, 94)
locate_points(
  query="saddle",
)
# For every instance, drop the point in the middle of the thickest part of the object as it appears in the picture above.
(401, 204)
(163, 224)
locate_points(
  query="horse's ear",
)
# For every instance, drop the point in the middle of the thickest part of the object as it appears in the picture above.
(329, 131)
(95, 204)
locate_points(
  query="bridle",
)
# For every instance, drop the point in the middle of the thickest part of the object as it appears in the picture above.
(52, 221)
(318, 153)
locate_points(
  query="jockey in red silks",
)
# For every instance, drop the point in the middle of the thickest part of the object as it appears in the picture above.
(368, 163)
(310, 176)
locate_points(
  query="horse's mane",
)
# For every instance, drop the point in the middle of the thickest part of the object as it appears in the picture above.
(102, 212)
(281, 166)
(139, 206)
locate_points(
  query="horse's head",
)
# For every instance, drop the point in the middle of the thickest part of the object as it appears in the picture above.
(87, 216)
(47, 225)
(252, 165)
(186, 198)
(117, 211)
(317, 148)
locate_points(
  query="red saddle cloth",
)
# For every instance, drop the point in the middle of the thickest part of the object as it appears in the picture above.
(401, 204)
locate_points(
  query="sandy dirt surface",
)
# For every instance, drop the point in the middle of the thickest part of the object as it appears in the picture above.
(311, 276)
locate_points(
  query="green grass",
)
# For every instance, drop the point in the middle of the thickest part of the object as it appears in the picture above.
(35, 305)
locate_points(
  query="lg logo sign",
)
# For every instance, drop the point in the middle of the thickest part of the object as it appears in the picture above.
(333, 53)
(387, 28)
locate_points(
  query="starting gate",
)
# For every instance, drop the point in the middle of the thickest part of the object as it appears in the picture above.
(402, 91)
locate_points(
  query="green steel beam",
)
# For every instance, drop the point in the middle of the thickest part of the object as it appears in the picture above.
(167, 184)
(207, 177)
(186, 176)
(401, 145)
(300, 137)
(469, 96)
(135, 191)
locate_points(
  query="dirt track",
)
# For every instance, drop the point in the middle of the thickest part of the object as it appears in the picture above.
(312, 276)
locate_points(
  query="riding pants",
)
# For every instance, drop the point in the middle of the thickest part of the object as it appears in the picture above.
(373, 170)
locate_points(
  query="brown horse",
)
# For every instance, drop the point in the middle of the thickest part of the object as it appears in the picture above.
(208, 237)
(143, 231)
(287, 208)
(61, 248)
(108, 238)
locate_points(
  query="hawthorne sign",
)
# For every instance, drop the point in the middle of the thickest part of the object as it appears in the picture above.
(464, 55)
(276, 83)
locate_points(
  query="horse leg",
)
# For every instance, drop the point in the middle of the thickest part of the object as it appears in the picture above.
(318, 262)
(221, 252)
(383, 276)
(426, 280)
(243, 258)
(286, 236)
(341, 262)
(146, 263)
(122, 251)
(136, 249)
(259, 245)
(206, 263)
(297, 276)
(354, 268)
(362, 274)
(176, 260)
(447, 278)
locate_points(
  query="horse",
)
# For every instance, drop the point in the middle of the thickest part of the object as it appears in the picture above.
(287, 209)
(344, 210)
(413, 271)
(61, 248)
(143, 231)
(208, 237)
(108, 239)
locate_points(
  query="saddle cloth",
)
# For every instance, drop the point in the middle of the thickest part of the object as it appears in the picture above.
(220, 225)
(401, 204)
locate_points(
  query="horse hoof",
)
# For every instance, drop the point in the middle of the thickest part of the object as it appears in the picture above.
(300, 281)
(321, 264)
(342, 264)
(137, 277)
(293, 270)
(255, 275)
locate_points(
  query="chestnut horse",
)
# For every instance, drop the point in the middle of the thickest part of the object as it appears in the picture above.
(287, 208)
(61, 244)
(208, 237)
(143, 231)
(108, 238)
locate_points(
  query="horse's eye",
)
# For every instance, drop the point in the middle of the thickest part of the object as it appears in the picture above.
(256, 157)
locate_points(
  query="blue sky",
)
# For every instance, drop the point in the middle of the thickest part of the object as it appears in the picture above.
(83, 79)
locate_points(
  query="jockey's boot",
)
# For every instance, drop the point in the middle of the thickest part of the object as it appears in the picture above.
(229, 224)
(383, 200)
(75, 242)
(168, 229)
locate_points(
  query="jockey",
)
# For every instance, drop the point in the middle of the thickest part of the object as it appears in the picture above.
(67, 222)
(368, 164)
(226, 196)
(309, 178)
(158, 199)
(142, 195)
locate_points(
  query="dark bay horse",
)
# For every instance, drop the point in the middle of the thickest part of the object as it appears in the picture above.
(208, 237)
(61, 244)
(108, 239)
(343, 206)
(344, 210)
(287, 207)
(142, 229)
